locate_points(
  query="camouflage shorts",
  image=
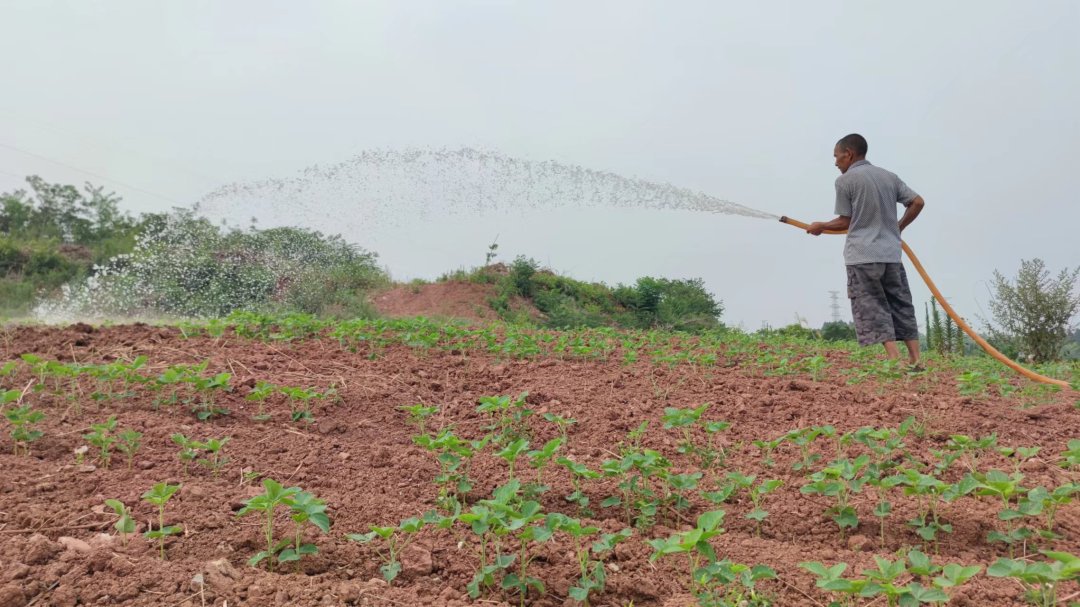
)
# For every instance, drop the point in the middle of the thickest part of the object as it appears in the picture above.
(881, 303)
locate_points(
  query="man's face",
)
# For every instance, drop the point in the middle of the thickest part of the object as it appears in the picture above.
(843, 157)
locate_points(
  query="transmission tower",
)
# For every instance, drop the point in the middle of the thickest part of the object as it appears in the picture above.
(835, 305)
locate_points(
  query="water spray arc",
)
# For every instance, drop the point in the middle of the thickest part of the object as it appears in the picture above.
(991, 350)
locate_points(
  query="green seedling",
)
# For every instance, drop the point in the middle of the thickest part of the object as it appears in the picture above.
(693, 543)
(593, 577)
(683, 420)
(931, 491)
(511, 452)
(508, 416)
(767, 447)
(419, 414)
(262, 391)
(757, 496)
(300, 402)
(101, 437)
(1007, 488)
(215, 451)
(1041, 501)
(205, 408)
(1070, 458)
(562, 423)
(128, 444)
(636, 472)
(678, 486)
(970, 449)
(1019, 455)
(539, 459)
(305, 508)
(712, 454)
(521, 519)
(23, 419)
(633, 439)
(189, 450)
(158, 495)
(840, 480)
(727, 584)
(492, 520)
(815, 366)
(273, 496)
(454, 456)
(803, 438)
(578, 472)
(125, 524)
(1041, 579)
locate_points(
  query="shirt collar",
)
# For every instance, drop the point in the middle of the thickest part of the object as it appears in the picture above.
(858, 163)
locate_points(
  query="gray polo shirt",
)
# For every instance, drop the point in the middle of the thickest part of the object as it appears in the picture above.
(869, 195)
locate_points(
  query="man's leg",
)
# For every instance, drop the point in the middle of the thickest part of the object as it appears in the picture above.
(870, 307)
(898, 296)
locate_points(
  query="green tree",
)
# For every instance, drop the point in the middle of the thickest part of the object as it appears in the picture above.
(838, 331)
(1036, 308)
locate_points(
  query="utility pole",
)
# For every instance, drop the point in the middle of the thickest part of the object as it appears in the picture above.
(835, 305)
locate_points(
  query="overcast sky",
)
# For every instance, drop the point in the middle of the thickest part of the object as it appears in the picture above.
(974, 104)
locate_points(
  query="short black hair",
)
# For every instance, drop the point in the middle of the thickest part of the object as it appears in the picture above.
(854, 142)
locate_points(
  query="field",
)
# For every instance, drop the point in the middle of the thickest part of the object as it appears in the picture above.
(503, 465)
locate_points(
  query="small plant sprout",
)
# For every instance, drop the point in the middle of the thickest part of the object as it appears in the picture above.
(204, 406)
(712, 454)
(1041, 579)
(80, 454)
(577, 473)
(300, 402)
(101, 437)
(259, 394)
(593, 577)
(511, 452)
(125, 524)
(128, 444)
(693, 543)
(215, 454)
(683, 420)
(767, 447)
(419, 414)
(396, 538)
(306, 508)
(189, 450)
(158, 495)
(23, 419)
(508, 414)
(266, 503)
(757, 496)
(562, 423)
(840, 480)
(539, 460)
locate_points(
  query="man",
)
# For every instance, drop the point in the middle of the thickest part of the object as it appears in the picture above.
(866, 199)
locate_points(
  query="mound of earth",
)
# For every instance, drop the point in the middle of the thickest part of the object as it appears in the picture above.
(451, 299)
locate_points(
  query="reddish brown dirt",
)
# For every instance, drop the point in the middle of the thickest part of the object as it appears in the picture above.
(358, 455)
(451, 299)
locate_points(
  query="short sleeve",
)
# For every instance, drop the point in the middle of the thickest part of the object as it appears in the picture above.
(904, 194)
(843, 199)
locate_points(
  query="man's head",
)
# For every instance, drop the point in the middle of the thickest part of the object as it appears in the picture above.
(848, 150)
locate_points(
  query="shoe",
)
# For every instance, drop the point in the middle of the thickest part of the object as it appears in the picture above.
(915, 369)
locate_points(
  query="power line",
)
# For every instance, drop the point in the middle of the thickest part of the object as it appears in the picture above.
(92, 174)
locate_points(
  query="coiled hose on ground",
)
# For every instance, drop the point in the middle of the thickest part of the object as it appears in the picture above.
(991, 350)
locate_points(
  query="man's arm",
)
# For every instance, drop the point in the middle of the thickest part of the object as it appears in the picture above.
(912, 212)
(839, 224)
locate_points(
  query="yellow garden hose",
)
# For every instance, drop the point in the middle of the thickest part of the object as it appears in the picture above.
(991, 350)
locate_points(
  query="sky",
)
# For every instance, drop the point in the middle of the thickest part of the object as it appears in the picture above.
(973, 103)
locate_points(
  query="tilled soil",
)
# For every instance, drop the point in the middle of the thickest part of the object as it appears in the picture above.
(57, 546)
